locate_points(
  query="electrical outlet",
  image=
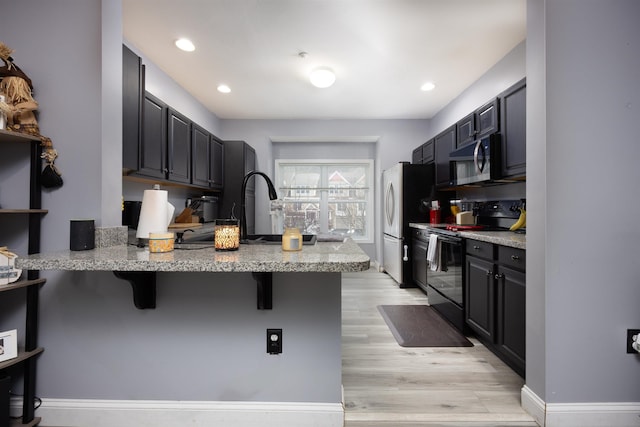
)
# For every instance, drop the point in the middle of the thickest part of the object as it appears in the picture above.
(630, 334)
(274, 341)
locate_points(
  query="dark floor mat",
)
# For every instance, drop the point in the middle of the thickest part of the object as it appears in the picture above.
(421, 326)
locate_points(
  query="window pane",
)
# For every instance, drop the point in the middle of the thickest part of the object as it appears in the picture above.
(327, 196)
(302, 215)
(348, 218)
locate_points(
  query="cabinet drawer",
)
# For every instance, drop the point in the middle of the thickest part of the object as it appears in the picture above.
(479, 249)
(512, 257)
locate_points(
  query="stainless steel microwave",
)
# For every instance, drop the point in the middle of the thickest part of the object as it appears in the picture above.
(478, 162)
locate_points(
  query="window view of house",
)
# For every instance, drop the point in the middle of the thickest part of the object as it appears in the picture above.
(327, 196)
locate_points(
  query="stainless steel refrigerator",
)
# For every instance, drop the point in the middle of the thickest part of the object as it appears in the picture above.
(408, 191)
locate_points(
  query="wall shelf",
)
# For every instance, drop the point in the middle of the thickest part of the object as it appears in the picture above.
(31, 280)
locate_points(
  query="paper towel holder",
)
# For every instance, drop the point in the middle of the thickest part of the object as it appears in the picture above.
(155, 214)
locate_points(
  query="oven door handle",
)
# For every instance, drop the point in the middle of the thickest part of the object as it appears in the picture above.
(449, 239)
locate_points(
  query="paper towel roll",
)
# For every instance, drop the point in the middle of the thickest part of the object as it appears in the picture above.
(155, 214)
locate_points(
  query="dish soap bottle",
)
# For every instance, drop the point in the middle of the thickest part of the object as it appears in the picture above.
(291, 239)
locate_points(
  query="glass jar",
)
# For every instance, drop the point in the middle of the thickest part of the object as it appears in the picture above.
(291, 239)
(227, 234)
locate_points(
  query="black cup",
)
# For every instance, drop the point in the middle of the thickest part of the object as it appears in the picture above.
(82, 235)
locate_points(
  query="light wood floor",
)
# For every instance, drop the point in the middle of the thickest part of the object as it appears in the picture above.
(387, 385)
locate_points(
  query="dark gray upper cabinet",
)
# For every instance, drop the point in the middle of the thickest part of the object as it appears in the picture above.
(153, 147)
(207, 158)
(487, 119)
(200, 156)
(424, 154)
(239, 159)
(132, 99)
(416, 156)
(444, 143)
(216, 163)
(513, 109)
(179, 147)
(466, 128)
(475, 125)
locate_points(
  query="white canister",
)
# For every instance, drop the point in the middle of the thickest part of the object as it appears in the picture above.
(3, 117)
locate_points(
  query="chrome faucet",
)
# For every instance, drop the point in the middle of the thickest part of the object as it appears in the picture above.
(272, 196)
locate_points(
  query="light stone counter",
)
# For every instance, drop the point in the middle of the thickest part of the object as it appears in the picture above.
(504, 238)
(321, 257)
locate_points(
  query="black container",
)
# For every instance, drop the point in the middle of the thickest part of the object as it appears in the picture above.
(82, 234)
(131, 213)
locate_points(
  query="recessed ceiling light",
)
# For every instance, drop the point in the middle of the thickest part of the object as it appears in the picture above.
(185, 44)
(224, 89)
(427, 87)
(322, 77)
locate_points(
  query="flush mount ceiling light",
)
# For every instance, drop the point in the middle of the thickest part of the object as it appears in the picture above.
(224, 88)
(185, 44)
(427, 87)
(322, 77)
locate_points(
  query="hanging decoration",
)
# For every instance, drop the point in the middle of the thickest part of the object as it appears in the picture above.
(20, 109)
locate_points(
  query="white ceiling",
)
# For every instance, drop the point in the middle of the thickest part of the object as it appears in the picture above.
(381, 50)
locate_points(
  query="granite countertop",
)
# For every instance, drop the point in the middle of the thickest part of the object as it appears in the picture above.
(321, 257)
(504, 238)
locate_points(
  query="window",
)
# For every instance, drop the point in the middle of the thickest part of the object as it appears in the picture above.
(328, 196)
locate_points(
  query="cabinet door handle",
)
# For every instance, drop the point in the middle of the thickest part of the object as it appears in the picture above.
(405, 258)
(515, 257)
(476, 248)
(499, 276)
(489, 273)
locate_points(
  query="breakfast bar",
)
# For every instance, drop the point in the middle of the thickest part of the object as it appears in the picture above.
(139, 266)
(205, 318)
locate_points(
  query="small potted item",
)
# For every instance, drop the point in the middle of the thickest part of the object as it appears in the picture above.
(8, 272)
(161, 242)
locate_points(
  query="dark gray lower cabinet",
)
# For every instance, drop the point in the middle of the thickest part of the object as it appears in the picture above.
(480, 294)
(495, 304)
(510, 336)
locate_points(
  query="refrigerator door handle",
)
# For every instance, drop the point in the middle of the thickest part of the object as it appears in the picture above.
(390, 203)
(405, 258)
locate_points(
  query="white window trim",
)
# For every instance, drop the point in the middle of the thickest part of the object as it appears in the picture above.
(370, 213)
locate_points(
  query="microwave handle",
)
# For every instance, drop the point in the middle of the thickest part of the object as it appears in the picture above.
(476, 152)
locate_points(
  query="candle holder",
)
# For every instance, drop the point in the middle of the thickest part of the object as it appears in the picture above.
(227, 234)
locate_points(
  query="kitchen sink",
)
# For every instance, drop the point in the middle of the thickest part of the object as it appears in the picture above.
(253, 239)
(276, 239)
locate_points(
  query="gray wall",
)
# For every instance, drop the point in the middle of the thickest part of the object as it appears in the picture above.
(206, 340)
(582, 272)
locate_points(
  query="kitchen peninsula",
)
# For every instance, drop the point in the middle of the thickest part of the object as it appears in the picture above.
(206, 330)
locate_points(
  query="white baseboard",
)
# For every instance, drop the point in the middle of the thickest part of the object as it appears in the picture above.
(533, 405)
(605, 414)
(152, 413)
